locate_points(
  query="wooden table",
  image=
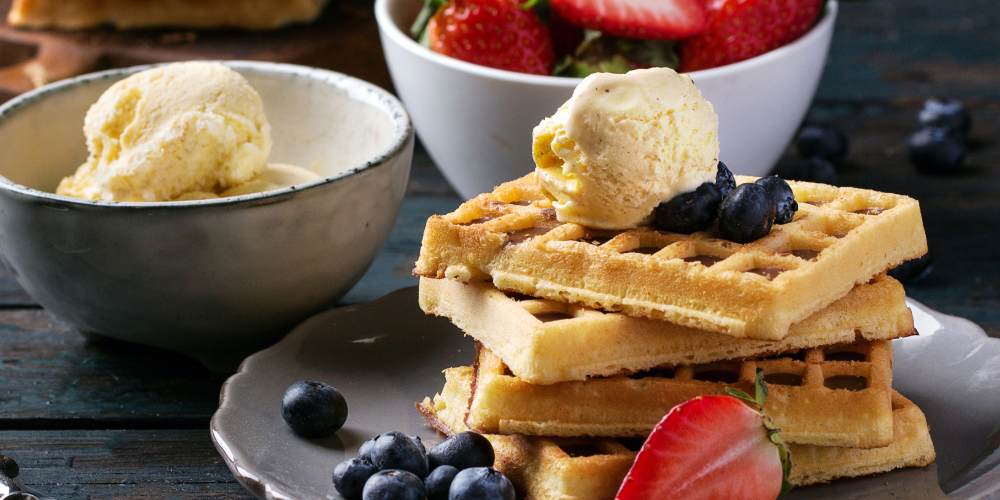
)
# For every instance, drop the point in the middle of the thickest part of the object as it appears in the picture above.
(113, 420)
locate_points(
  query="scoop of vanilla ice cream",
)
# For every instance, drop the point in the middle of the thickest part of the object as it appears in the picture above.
(623, 144)
(172, 131)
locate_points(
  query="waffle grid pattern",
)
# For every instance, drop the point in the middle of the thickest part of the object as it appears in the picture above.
(546, 468)
(839, 237)
(833, 396)
(544, 341)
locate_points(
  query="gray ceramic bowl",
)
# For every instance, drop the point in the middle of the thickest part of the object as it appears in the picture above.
(216, 279)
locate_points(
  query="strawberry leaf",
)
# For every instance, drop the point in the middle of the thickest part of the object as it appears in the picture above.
(760, 392)
(786, 468)
(739, 394)
(609, 54)
(760, 388)
(542, 9)
(420, 24)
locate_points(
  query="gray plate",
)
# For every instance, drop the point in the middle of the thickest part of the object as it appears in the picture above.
(385, 355)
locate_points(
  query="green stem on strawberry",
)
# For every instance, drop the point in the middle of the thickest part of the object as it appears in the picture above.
(602, 53)
(542, 8)
(419, 28)
(773, 433)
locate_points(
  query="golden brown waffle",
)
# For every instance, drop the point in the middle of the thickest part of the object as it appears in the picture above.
(840, 237)
(593, 468)
(837, 396)
(544, 342)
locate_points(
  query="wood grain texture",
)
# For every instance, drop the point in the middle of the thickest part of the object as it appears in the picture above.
(344, 38)
(117, 464)
(60, 393)
(52, 378)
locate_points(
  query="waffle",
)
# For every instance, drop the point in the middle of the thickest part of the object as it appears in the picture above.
(840, 237)
(822, 396)
(544, 342)
(131, 14)
(593, 468)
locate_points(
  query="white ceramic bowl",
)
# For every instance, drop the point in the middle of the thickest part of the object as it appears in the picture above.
(216, 279)
(476, 121)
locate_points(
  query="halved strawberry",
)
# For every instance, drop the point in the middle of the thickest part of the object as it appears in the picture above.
(711, 447)
(494, 33)
(741, 29)
(641, 19)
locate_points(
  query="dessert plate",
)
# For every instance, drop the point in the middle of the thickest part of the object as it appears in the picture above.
(387, 354)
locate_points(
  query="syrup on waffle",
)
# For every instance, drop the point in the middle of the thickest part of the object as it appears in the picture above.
(834, 396)
(840, 237)
(543, 341)
(546, 468)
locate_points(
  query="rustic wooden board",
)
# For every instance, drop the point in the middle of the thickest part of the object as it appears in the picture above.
(129, 464)
(892, 49)
(58, 392)
(344, 38)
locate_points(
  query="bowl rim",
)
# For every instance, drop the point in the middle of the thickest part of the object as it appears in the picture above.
(355, 88)
(394, 33)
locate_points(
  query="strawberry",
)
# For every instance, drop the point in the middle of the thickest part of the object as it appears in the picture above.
(639, 19)
(711, 447)
(495, 33)
(741, 29)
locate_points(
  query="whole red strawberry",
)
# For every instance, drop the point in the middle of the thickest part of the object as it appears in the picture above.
(639, 19)
(494, 33)
(740, 29)
(711, 448)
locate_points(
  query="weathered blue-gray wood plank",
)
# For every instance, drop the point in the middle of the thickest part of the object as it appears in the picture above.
(106, 464)
(896, 49)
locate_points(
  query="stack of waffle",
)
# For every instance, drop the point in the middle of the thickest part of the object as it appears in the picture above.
(588, 338)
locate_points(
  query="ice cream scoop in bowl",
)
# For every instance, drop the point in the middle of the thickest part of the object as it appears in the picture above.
(213, 277)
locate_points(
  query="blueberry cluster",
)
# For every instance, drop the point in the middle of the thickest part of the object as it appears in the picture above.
(938, 145)
(394, 466)
(745, 212)
(313, 409)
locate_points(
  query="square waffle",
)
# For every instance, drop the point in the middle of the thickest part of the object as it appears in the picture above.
(546, 468)
(834, 396)
(840, 237)
(543, 341)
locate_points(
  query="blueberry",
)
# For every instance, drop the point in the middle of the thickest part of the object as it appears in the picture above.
(439, 482)
(395, 450)
(746, 214)
(9, 467)
(481, 483)
(913, 270)
(313, 409)
(691, 211)
(462, 451)
(823, 142)
(349, 477)
(724, 180)
(784, 199)
(394, 485)
(365, 451)
(934, 151)
(419, 443)
(948, 114)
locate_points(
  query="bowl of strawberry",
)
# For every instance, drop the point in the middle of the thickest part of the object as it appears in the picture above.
(478, 75)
